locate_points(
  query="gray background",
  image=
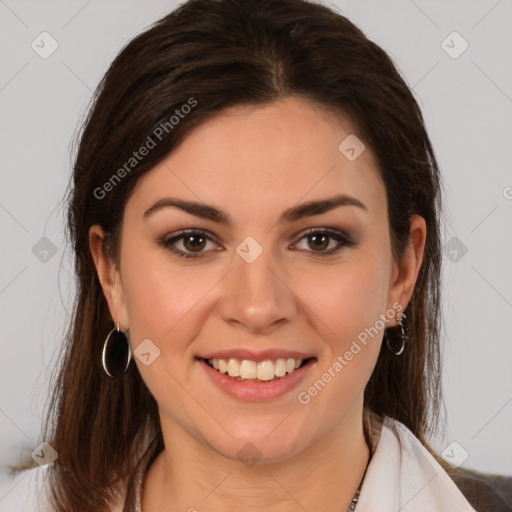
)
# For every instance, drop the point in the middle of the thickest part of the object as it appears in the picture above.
(467, 104)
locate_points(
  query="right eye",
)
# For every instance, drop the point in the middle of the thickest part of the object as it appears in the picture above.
(190, 240)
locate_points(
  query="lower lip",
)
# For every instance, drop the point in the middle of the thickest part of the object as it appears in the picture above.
(256, 391)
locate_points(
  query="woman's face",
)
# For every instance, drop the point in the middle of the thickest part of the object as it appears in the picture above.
(260, 283)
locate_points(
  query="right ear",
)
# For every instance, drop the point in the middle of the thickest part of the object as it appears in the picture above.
(109, 277)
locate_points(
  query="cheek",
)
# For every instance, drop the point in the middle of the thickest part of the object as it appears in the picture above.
(163, 305)
(348, 302)
(347, 298)
(161, 296)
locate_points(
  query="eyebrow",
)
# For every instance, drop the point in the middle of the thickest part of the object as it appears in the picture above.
(292, 214)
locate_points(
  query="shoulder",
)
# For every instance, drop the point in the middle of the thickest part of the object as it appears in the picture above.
(485, 492)
(24, 491)
(27, 492)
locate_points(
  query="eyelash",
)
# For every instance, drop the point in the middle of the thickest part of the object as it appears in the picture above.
(340, 237)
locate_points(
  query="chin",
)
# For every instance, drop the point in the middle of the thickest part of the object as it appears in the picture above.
(257, 452)
(258, 445)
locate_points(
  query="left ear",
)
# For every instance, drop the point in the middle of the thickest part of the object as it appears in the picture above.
(406, 270)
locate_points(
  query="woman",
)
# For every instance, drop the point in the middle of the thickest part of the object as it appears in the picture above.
(255, 218)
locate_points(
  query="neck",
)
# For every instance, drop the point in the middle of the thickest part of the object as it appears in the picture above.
(324, 476)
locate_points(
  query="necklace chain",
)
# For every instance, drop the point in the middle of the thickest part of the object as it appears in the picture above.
(355, 499)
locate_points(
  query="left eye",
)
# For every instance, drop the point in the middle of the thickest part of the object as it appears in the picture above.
(194, 242)
(319, 240)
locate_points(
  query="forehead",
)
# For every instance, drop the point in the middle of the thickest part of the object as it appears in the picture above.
(264, 158)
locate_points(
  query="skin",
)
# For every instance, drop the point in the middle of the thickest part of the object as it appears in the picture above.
(253, 163)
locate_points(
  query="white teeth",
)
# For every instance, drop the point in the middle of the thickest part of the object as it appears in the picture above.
(266, 370)
(233, 368)
(280, 368)
(248, 369)
(223, 366)
(263, 370)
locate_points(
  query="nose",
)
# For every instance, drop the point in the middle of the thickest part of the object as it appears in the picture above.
(257, 296)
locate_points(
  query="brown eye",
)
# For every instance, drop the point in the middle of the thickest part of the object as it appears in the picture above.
(194, 243)
(319, 240)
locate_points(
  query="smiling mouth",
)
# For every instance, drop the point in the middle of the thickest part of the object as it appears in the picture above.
(263, 371)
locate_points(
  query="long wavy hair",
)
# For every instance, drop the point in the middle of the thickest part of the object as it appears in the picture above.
(225, 53)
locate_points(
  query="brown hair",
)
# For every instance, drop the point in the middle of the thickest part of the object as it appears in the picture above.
(224, 53)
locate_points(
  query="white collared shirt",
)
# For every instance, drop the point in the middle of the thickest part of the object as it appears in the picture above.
(403, 476)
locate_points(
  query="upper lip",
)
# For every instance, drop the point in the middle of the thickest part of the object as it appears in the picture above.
(263, 355)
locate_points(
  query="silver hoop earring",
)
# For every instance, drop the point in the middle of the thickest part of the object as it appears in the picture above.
(403, 336)
(116, 354)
